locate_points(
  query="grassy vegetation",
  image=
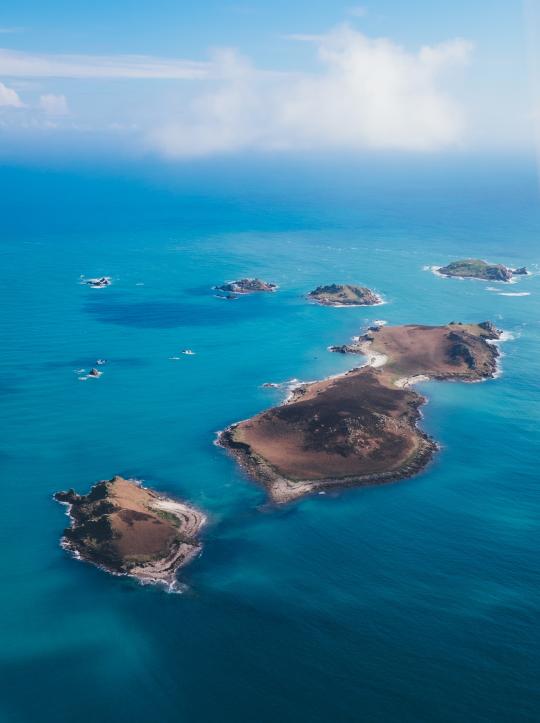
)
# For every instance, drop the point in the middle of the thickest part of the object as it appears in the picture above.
(167, 516)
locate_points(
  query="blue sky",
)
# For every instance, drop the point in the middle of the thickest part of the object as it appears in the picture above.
(183, 79)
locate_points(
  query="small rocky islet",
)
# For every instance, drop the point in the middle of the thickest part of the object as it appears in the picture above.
(479, 269)
(128, 529)
(246, 286)
(98, 283)
(344, 295)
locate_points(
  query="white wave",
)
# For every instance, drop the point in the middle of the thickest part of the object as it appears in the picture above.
(434, 270)
(516, 293)
(506, 336)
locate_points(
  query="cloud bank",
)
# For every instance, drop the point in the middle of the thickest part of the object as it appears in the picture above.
(363, 93)
(368, 94)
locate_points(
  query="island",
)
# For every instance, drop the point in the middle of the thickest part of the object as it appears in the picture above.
(128, 529)
(246, 286)
(478, 269)
(344, 295)
(361, 427)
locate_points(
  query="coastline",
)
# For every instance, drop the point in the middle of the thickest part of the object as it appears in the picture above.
(381, 302)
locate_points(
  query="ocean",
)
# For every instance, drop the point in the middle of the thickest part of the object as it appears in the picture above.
(415, 601)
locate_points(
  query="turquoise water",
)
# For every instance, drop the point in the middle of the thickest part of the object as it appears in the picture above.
(416, 601)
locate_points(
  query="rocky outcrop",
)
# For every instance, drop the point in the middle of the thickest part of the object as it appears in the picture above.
(460, 352)
(491, 331)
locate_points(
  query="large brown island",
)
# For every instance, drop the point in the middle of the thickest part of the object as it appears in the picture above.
(361, 428)
(128, 529)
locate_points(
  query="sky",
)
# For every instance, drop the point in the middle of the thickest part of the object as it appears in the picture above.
(180, 80)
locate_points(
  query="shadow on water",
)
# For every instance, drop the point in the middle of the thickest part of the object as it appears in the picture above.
(66, 661)
(11, 384)
(170, 313)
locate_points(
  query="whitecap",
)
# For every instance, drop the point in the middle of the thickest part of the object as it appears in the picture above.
(506, 336)
(434, 270)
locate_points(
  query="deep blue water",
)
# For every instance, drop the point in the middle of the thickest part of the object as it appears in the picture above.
(417, 601)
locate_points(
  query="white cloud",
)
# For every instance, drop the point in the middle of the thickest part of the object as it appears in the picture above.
(369, 94)
(8, 97)
(27, 65)
(54, 104)
(364, 93)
